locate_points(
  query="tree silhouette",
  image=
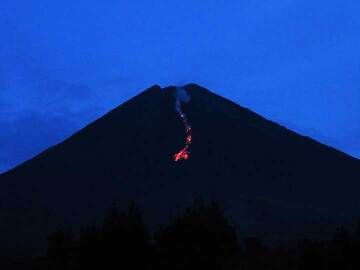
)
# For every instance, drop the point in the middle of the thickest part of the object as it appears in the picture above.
(88, 251)
(125, 240)
(121, 242)
(255, 254)
(60, 250)
(201, 238)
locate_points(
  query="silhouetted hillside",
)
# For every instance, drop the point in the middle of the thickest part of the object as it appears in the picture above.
(273, 182)
(201, 237)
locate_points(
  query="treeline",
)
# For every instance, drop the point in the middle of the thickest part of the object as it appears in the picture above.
(200, 238)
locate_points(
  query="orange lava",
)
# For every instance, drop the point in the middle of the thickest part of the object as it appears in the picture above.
(184, 153)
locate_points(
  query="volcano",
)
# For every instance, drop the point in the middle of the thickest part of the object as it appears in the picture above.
(272, 182)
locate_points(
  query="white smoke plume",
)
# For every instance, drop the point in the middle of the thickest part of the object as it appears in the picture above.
(181, 96)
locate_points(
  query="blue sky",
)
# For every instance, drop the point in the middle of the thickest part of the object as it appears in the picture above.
(64, 63)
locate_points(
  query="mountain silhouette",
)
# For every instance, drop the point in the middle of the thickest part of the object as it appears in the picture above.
(272, 182)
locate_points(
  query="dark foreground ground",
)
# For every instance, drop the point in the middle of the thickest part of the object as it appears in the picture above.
(199, 238)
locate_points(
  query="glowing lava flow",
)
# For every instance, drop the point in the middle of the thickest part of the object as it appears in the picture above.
(184, 153)
(182, 96)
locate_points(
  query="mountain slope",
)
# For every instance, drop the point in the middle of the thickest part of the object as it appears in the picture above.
(273, 182)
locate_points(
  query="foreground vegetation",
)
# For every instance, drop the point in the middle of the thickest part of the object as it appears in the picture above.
(200, 238)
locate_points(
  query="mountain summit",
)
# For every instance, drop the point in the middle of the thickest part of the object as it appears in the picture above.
(273, 182)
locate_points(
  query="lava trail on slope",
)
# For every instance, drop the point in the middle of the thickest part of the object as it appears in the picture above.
(184, 153)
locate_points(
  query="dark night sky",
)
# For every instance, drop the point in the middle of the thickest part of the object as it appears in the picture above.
(64, 63)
